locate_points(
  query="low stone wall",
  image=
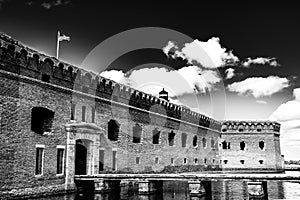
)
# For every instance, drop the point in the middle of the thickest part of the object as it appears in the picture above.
(252, 170)
(25, 193)
(167, 169)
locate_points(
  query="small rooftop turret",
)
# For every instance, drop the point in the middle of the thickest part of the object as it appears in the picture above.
(164, 95)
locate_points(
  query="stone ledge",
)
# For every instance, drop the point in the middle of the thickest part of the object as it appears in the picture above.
(25, 193)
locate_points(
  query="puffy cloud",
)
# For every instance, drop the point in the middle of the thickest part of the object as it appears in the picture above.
(296, 93)
(229, 73)
(289, 111)
(209, 54)
(288, 115)
(191, 79)
(118, 76)
(259, 86)
(114, 75)
(171, 46)
(198, 79)
(261, 61)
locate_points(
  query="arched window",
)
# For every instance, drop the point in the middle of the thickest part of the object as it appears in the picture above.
(113, 130)
(242, 145)
(224, 145)
(171, 137)
(204, 142)
(195, 141)
(155, 136)
(41, 120)
(184, 160)
(183, 139)
(261, 145)
(196, 160)
(137, 132)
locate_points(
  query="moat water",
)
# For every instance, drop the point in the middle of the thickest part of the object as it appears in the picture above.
(221, 190)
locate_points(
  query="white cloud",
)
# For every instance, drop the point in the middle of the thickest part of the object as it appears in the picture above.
(170, 46)
(296, 93)
(114, 75)
(229, 73)
(289, 111)
(118, 76)
(288, 115)
(209, 54)
(191, 79)
(261, 61)
(261, 102)
(259, 86)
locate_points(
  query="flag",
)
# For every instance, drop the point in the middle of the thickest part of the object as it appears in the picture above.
(59, 39)
(63, 37)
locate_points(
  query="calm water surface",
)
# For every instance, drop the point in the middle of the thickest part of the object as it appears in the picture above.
(221, 190)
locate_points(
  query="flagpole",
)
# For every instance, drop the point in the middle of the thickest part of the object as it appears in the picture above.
(57, 45)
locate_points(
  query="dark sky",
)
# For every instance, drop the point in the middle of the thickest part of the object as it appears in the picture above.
(248, 29)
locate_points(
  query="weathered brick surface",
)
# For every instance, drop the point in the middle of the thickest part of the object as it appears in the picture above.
(127, 151)
(9, 123)
(19, 142)
(22, 88)
(268, 133)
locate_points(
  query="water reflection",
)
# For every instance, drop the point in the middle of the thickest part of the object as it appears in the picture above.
(178, 190)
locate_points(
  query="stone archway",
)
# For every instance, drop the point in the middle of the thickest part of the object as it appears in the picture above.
(83, 143)
(84, 156)
(80, 158)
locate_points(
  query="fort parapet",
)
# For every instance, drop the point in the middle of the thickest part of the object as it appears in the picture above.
(30, 63)
(250, 127)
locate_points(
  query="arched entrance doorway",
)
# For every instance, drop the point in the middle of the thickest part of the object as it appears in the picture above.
(80, 158)
(83, 142)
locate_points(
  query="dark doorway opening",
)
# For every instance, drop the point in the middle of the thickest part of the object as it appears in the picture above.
(113, 130)
(242, 145)
(101, 160)
(80, 158)
(114, 159)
